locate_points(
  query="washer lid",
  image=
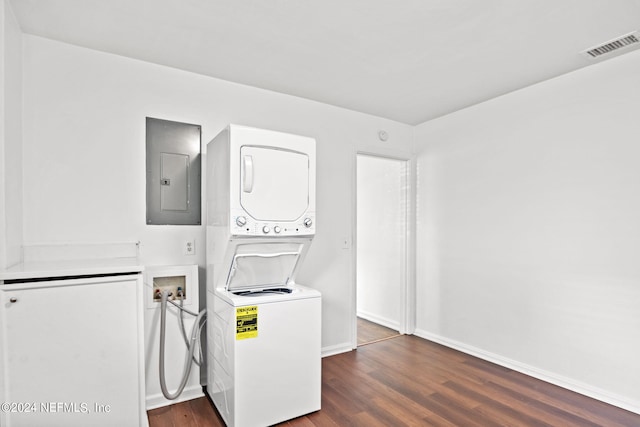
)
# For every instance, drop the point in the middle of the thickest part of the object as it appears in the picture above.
(263, 265)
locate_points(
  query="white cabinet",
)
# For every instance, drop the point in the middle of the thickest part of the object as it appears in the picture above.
(71, 352)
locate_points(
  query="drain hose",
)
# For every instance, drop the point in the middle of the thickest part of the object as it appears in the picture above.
(195, 333)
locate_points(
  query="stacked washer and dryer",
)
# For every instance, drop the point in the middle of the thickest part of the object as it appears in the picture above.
(263, 329)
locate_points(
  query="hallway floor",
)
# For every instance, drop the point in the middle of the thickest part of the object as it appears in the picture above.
(370, 332)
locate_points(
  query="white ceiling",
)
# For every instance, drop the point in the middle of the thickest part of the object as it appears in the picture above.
(407, 60)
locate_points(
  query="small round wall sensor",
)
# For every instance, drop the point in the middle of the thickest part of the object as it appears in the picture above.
(383, 135)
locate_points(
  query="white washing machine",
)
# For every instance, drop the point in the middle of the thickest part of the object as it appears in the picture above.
(266, 355)
(263, 329)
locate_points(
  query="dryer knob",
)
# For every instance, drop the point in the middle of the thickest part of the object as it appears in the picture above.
(241, 221)
(307, 222)
(265, 229)
(277, 229)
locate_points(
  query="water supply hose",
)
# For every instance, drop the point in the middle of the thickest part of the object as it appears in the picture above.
(195, 333)
(182, 310)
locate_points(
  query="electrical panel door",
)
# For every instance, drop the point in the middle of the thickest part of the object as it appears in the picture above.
(173, 172)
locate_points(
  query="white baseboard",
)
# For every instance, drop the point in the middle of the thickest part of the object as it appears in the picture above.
(336, 349)
(158, 400)
(559, 380)
(389, 323)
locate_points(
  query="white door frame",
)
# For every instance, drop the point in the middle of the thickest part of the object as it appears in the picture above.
(408, 306)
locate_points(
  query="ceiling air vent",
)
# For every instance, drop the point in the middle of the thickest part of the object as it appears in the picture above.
(613, 45)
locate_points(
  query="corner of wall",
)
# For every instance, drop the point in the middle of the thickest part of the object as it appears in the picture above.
(3, 227)
(11, 182)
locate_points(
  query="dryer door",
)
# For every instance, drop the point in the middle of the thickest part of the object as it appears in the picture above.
(274, 183)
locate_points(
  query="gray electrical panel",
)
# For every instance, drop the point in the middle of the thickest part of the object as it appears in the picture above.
(173, 173)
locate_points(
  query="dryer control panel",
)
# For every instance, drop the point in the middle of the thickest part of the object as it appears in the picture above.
(242, 224)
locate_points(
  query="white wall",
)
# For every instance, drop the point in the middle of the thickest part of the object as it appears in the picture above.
(84, 177)
(10, 137)
(381, 239)
(528, 222)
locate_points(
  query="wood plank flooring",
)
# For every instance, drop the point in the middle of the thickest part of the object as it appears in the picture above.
(408, 381)
(370, 332)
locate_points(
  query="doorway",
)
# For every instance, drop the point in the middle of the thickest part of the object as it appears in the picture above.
(381, 247)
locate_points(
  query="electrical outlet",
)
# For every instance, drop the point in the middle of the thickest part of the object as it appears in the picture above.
(190, 247)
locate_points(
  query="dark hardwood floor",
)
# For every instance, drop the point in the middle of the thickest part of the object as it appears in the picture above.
(408, 381)
(369, 332)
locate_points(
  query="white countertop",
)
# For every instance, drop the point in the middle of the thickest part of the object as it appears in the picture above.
(67, 268)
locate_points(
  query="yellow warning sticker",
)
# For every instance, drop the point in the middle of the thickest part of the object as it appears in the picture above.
(246, 322)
